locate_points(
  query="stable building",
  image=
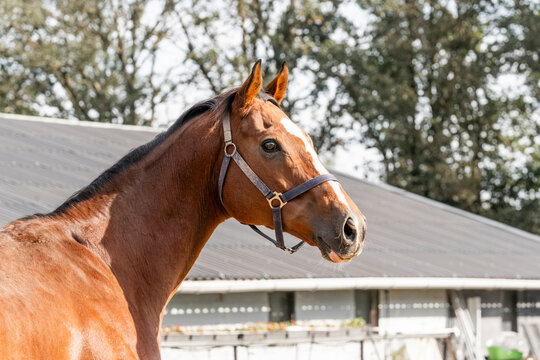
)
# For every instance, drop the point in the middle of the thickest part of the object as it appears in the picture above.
(424, 265)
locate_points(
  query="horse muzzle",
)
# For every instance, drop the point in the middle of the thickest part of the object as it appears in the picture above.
(343, 242)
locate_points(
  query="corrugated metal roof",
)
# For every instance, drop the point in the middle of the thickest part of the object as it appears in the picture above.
(42, 163)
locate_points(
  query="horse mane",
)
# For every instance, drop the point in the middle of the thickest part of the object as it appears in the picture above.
(217, 105)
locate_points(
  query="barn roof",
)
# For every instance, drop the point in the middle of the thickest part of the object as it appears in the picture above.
(42, 162)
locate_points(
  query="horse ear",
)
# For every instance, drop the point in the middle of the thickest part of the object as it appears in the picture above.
(278, 86)
(249, 89)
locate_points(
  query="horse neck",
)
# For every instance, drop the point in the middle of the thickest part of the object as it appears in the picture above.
(151, 221)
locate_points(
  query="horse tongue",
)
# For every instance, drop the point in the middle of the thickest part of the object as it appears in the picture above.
(334, 256)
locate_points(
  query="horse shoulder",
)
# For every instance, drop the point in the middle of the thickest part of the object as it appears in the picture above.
(58, 298)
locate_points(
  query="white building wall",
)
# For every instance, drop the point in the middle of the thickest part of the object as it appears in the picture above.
(324, 305)
(528, 309)
(213, 309)
(413, 310)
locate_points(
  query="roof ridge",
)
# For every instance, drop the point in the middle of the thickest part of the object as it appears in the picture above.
(445, 207)
(61, 121)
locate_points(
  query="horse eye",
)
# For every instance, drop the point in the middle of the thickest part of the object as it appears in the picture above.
(270, 146)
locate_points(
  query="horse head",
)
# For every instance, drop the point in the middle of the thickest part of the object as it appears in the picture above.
(282, 156)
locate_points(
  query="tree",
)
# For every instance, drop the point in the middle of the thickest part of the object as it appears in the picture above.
(103, 60)
(94, 60)
(424, 95)
(19, 86)
(518, 46)
(514, 189)
(222, 43)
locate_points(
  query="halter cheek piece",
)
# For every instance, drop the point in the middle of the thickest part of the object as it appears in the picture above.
(275, 199)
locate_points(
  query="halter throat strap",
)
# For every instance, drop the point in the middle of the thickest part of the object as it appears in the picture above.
(275, 199)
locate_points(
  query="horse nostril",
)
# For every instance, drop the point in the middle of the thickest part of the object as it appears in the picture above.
(349, 230)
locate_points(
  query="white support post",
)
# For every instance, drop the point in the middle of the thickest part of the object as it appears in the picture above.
(474, 304)
(465, 325)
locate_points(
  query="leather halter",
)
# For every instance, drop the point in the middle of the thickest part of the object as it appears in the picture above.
(275, 199)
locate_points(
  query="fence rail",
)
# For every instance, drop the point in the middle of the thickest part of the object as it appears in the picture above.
(290, 337)
(370, 345)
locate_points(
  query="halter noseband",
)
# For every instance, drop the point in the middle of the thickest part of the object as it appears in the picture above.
(275, 199)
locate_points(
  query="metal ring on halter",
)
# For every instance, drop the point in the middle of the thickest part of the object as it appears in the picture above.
(277, 196)
(233, 149)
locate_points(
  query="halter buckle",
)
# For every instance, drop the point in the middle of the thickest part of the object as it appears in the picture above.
(277, 196)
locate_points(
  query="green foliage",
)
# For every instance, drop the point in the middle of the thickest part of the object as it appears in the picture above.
(354, 323)
(424, 95)
(518, 49)
(302, 32)
(92, 59)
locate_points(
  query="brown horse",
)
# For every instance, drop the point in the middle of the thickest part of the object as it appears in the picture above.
(91, 279)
